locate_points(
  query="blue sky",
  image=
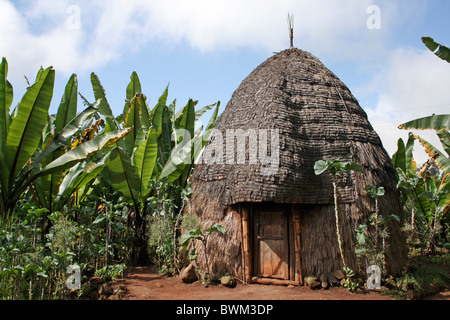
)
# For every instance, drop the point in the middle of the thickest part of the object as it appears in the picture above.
(205, 48)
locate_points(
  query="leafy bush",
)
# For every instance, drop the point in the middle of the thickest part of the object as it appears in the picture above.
(34, 265)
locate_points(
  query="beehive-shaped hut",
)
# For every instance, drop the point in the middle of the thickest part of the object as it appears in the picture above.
(256, 175)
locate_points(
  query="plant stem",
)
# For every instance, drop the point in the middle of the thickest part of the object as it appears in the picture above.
(376, 223)
(175, 258)
(30, 290)
(43, 288)
(433, 230)
(413, 213)
(206, 257)
(384, 254)
(336, 213)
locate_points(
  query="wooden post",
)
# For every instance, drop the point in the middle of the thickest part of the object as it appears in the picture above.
(296, 218)
(290, 19)
(274, 281)
(246, 243)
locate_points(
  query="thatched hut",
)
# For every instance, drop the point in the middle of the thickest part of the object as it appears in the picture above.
(256, 175)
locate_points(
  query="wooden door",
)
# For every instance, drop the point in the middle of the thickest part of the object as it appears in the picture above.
(271, 243)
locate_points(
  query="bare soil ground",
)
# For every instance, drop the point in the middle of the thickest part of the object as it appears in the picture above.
(143, 283)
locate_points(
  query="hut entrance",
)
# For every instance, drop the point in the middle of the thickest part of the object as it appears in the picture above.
(271, 252)
(271, 246)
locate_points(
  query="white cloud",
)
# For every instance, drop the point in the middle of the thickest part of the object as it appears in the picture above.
(36, 33)
(412, 84)
(27, 48)
(224, 24)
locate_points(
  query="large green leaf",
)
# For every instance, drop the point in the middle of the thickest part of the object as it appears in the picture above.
(435, 122)
(180, 158)
(68, 106)
(25, 131)
(200, 112)
(144, 114)
(145, 159)
(133, 87)
(104, 108)
(444, 191)
(132, 121)
(210, 125)
(136, 113)
(157, 112)
(335, 167)
(422, 198)
(187, 118)
(66, 133)
(77, 177)
(66, 112)
(403, 158)
(135, 107)
(122, 175)
(84, 151)
(444, 136)
(441, 160)
(6, 97)
(165, 138)
(398, 158)
(201, 141)
(441, 51)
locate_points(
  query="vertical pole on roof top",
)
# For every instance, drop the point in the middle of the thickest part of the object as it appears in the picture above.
(290, 20)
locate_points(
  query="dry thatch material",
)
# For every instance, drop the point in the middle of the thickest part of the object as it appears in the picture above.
(316, 117)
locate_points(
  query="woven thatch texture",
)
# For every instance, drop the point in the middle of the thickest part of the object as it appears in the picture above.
(223, 250)
(316, 116)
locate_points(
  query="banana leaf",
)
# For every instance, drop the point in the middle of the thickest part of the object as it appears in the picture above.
(136, 113)
(200, 143)
(435, 122)
(84, 151)
(122, 175)
(67, 132)
(134, 86)
(441, 160)
(157, 112)
(444, 137)
(133, 121)
(165, 138)
(200, 112)
(180, 158)
(144, 159)
(439, 50)
(66, 112)
(6, 97)
(68, 107)
(25, 131)
(104, 108)
(76, 178)
(404, 158)
(187, 118)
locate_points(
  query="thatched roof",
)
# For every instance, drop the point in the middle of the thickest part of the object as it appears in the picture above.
(316, 116)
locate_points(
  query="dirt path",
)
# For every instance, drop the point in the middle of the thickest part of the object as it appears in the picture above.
(144, 284)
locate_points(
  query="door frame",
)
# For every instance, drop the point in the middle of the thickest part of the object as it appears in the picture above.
(247, 212)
